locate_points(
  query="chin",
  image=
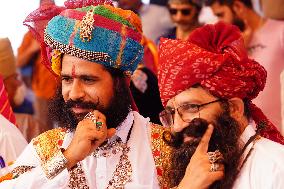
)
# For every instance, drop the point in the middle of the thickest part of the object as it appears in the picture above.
(80, 116)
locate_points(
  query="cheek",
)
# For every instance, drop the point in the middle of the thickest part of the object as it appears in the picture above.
(65, 92)
(210, 116)
(104, 94)
(230, 18)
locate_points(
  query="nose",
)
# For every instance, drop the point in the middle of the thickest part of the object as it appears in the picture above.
(178, 124)
(76, 90)
(178, 16)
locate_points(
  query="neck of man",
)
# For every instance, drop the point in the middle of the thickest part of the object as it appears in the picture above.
(182, 32)
(253, 20)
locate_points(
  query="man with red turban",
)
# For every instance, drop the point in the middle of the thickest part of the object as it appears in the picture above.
(220, 138)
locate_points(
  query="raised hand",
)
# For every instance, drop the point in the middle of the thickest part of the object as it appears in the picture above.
(90, 133)
(201, 172)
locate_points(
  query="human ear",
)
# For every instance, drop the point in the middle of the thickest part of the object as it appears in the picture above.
(238, 8)
(236, 107)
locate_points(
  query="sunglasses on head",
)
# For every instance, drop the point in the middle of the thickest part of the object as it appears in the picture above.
(184, 12)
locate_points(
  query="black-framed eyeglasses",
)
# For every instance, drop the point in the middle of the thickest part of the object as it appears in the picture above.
(184, 12)
(185, 112)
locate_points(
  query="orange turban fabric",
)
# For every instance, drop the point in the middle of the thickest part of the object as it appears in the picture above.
(214, 57)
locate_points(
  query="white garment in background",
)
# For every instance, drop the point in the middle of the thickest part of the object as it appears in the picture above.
(98, 171)
(12, 142)
(267, 48)
(282, 100)
(156, 21)
(264, 168)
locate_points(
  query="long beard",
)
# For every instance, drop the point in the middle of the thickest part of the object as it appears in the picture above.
(60, 111)
(224, 138)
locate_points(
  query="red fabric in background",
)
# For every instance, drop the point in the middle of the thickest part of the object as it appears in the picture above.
(5, 107)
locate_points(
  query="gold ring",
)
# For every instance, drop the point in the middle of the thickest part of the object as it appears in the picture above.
(215, 156)
(91, 117)
(214, 167)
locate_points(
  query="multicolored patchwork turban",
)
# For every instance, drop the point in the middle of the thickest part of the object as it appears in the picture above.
(215, 58)
(98, 32)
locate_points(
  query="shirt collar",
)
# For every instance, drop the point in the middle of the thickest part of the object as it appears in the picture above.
(248, 132)
(123, 129)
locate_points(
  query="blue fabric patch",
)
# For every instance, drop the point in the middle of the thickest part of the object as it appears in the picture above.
(61, 28)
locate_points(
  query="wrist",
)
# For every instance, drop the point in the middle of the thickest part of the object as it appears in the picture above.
(70, 161)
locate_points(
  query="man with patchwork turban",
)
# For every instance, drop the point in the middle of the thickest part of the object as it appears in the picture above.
(101, 141)
(220, 139)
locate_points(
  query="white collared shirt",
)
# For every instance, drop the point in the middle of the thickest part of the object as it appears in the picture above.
(264, 168)
(98, 171)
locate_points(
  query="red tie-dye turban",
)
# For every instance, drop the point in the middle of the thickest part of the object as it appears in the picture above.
(214, 57)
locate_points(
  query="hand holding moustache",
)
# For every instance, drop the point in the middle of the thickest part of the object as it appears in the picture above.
(90, 133)
(203, 170)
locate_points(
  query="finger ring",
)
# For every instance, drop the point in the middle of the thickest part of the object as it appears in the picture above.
(214, 167)
(99, 125)
(91, 117)
(216, 156)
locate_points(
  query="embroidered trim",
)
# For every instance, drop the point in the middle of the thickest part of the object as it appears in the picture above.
(161, 153)
(123, 171)
(16, 172)
(109, 149)
(48, 143)
(86, 26)
(83, 54)
(77, 178)
(19, 170)
(55, 165)
(47, 146)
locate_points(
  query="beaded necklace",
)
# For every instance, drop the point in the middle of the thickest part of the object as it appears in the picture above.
(123, 170)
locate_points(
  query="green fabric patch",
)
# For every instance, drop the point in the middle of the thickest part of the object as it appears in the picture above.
(105, 12)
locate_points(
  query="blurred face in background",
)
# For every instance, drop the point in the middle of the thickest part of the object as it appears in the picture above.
(223, 12)
(183, 15)
(226, 14)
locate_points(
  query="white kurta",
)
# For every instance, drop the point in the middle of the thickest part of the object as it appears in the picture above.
(98, 171)
(12, 142)
(264, 168)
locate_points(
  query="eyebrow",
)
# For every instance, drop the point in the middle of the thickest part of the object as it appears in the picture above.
(169, 107)
(83, 76)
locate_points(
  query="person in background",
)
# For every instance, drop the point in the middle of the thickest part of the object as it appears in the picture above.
(43, 82)
(28, 125)
(12, 142)
(155, 19)
(221, 140)
(273, 9)
(184, 14)
(144, 83)
(264, 42)
(282, 98)
(145, 91)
